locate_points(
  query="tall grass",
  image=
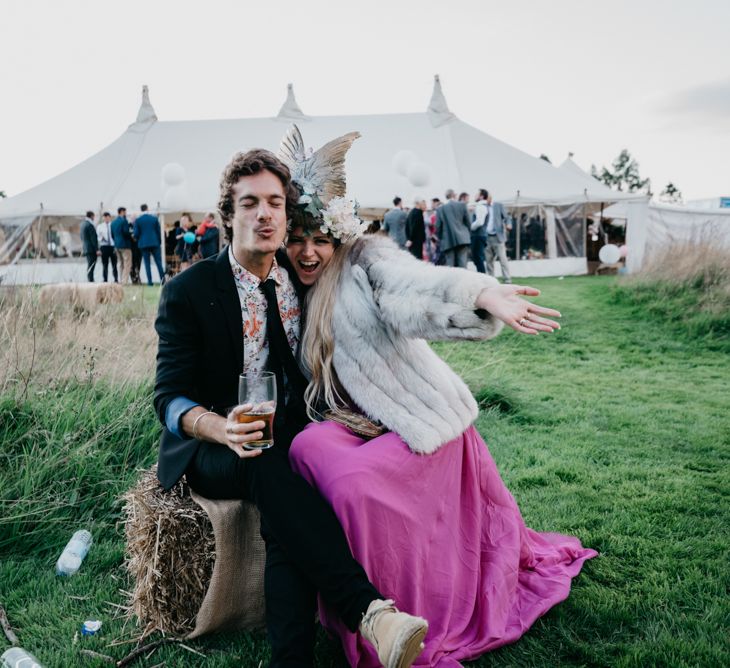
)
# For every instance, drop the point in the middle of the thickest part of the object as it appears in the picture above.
(686, 284)
(75, 417)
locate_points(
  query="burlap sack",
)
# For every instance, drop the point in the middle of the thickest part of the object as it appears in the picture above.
(235, 595)
(197, 565)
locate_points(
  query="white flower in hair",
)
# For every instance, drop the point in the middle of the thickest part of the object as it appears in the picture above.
(339, 220)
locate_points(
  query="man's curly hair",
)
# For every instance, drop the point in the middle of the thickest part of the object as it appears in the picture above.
(247, 164)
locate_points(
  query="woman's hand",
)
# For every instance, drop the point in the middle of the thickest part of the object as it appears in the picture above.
(505, 303)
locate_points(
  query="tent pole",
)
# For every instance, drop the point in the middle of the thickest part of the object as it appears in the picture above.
(517, 227)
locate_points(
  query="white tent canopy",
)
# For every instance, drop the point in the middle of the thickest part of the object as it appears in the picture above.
(448, 154)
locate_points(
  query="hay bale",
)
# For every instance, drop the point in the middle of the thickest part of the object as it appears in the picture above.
(170, 555)
(86, 296)
(197, 564)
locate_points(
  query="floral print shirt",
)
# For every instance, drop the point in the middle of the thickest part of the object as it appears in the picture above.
(253, 312)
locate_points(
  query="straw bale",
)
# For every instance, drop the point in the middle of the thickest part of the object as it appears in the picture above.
(82, 295)
(170, 555)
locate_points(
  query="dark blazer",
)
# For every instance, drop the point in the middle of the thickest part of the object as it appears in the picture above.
(453, 225)
(147, 231)
(416, 227)
(121, 234)
(89, 239)
(200, 354)
(209, 242)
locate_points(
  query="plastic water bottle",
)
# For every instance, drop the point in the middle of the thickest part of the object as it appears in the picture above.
(17, 657)
(74, 552)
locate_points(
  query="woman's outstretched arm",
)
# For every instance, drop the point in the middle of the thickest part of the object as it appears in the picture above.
(419, 300)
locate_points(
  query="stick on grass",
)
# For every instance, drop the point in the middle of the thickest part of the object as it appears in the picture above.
(7, 630)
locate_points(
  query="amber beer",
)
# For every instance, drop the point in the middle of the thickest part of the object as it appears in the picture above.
(267, 439)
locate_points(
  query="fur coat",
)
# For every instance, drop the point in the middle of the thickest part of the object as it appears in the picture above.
(388, 304)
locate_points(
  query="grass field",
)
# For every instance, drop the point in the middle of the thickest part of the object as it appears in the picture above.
(615, 429)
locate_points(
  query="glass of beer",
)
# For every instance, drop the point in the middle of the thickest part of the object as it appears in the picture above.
(259, 390)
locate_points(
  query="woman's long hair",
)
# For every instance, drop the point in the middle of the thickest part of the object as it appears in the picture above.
(318, 343)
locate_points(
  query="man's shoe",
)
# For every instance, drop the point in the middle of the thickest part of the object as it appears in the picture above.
(396, 636)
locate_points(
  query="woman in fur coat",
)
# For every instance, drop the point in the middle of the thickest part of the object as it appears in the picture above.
(423, 505)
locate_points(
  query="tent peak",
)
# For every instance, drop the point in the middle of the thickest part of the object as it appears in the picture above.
(438, 110)
(146, 113)
(290, 110)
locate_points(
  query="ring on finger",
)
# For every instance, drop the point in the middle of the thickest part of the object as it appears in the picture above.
(522, 322)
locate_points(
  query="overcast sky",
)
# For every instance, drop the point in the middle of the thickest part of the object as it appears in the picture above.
(584, 76)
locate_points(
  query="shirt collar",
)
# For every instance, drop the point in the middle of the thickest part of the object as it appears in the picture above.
(249, 281)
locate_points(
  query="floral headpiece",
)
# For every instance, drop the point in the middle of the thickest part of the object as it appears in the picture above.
(320, 177)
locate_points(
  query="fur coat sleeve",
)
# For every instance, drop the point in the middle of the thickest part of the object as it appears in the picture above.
(419, 300)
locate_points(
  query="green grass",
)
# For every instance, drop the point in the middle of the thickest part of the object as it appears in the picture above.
(615, 429)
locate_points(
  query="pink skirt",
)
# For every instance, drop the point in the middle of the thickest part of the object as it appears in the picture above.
(441, 535)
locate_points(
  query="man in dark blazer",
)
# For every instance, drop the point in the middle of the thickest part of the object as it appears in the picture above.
(416, 229)
(203, 314)
(209, 237)
(122, 235)
(149, 240)
(89, 244)
(453, 230)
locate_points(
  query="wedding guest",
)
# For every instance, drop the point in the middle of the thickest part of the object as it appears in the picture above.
(397, 455)
(149, 239)
(89, 244)
(452, 227)
(479, 231)
(416, 229)
(394, 223)
(208, 236)
(106, 247)
(122, 235)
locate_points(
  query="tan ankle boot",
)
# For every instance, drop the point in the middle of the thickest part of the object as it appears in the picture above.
(396, 636)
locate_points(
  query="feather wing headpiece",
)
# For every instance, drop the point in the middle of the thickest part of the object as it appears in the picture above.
(321, 172)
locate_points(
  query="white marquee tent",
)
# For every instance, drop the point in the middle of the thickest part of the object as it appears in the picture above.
(407, 154)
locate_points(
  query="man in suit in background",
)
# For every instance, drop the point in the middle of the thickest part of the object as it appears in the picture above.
(416, 229)
(203, 314)
(122, 236)
(149, 239)
(106, 247)
(209, 236)
(452, 228)
(498, 223)
(394, 223)
(89, 244)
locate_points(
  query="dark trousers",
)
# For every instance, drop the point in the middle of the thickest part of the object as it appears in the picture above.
(90, 266)
(107, 254)
(136, 265)
(155, 253)
(306, 548)
(478, 253)
(417, 250)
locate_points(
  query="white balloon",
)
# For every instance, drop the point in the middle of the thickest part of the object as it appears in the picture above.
(419, 174)
(402, 161)
(173, 174)
(609, 254)
(176, 198)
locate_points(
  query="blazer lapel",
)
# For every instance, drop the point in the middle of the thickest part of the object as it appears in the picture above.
(228, 299)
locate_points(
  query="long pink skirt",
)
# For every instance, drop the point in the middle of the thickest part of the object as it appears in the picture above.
(441, 535)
